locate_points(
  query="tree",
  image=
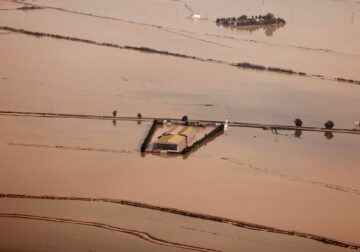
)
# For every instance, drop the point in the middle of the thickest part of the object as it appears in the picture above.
(329, 124)
(269, 16)
(298, 122)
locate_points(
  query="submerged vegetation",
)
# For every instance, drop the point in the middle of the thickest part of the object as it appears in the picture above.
(270, 69)
(347, 80)
(268, 19)
(29, 7)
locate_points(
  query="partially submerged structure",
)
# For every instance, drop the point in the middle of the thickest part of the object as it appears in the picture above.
(178, 137)
(171, 143)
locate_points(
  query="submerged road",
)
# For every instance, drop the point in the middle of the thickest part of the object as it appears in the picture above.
(150, 119)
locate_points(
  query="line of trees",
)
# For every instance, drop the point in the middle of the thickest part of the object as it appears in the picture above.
(244, 20)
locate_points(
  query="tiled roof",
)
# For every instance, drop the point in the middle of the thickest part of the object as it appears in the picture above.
(171, 139)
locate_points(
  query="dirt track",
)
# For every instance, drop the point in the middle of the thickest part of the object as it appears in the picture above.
(272, 127)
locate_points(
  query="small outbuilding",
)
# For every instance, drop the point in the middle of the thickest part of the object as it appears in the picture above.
(196, 16)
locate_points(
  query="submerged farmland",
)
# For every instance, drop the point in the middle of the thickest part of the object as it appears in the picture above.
(96, 155)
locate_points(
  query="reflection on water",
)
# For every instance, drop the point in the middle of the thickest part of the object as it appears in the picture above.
(269, 29)
(298, 133)
(185, 156)
(329, 135)
(204, 143)
(114, 121)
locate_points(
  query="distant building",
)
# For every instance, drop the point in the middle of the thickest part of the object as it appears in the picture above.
(196, 16)
(176, 139)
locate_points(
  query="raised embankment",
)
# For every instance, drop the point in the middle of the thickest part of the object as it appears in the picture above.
(196, 145)
(141, 49)
(148, 137)
(237, 223)
(149, 119)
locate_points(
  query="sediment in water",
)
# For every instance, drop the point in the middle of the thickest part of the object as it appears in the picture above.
(178, 55)
(237, 223)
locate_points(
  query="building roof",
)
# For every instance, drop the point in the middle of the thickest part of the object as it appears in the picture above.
(170, 139)
(182, 130)
(174, 131)
(186, 131)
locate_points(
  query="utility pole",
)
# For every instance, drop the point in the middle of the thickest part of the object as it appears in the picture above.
(263, 7)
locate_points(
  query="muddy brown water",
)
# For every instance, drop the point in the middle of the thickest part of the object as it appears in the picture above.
(76, 225)
(293, 180)
(320, 37)
(173, 87)
(248, 174)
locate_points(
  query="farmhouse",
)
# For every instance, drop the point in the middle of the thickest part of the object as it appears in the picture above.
(176, 139)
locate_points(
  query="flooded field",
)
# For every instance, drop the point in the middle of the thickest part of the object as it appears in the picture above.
(100, 229)
(165, 24)
(251, 174)
(149, 57)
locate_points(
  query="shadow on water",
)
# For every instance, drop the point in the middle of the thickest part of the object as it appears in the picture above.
(298, 133)
(269, 29)
(114, 122)
(329, 135)
(204, 143)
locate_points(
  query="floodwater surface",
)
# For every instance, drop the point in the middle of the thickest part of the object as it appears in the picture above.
(247, 174)
(320, 37)
(76, 225)
(291, 180)
(96, 80)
